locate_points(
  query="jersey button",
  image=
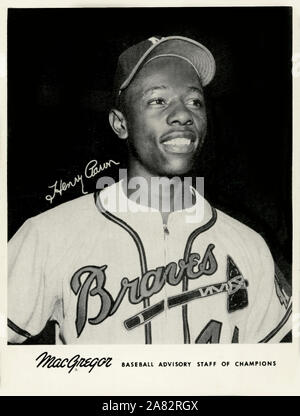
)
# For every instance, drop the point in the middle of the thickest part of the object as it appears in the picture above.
(166, 230)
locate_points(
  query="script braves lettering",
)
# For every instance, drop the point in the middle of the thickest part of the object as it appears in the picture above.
(138, 289)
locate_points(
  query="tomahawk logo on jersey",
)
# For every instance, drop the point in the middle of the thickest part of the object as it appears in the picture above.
(121, 277)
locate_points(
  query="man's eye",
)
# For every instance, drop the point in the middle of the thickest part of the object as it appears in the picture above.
(195, 102)
(157, 101)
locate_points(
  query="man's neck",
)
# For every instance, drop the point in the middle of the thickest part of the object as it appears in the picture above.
(167, 194)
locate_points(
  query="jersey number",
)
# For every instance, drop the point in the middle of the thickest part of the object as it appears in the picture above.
(211, 333)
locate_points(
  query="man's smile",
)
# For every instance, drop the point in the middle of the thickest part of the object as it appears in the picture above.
(179, 142)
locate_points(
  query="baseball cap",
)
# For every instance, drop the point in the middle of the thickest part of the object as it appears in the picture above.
(133, 58)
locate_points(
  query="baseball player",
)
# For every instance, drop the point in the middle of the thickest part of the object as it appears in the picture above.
(106, 274)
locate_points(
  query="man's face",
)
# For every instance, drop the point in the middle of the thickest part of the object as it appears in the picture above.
(166, 117)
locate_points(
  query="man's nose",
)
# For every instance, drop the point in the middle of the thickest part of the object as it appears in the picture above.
(180, 115)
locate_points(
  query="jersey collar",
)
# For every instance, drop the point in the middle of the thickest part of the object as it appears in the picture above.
(114, 199)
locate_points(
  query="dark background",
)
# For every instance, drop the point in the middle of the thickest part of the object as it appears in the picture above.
(61, 64)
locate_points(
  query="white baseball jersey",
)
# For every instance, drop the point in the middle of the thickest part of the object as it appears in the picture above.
(122, 277)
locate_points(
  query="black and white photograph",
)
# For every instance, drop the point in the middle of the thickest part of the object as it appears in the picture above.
(149, 175)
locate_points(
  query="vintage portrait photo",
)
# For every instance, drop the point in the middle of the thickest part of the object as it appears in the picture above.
(149, 175)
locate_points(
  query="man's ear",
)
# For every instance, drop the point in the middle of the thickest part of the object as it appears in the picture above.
(118, 123)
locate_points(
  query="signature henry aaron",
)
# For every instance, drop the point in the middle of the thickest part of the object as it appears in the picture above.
(92, 169)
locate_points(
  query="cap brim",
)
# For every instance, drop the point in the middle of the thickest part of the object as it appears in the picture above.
(194, 52)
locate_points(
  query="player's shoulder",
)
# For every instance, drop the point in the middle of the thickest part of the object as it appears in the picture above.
(69, 218)
(234, 225)
(68, 215)
(240, 234)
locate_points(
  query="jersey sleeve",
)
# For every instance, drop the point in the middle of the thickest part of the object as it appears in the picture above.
(31, 298)
(270, 318)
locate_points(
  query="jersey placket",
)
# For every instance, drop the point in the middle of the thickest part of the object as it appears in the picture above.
(170, 255)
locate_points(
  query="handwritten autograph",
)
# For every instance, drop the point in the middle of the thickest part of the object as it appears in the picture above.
(92, 169)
